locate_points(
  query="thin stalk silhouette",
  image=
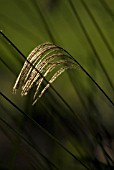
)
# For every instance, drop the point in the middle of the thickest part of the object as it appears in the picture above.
(62, 99)
(43, 130)
(28, 142)
(98, 28)
(90, 42)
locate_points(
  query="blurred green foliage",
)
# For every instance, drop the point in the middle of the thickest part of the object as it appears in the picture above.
(85, 28)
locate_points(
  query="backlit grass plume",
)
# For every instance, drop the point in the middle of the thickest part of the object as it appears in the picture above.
(45, 60)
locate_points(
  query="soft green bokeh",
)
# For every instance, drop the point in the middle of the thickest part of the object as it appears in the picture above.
(88, 35)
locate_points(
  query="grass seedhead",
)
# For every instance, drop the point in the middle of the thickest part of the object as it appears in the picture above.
(43, 60)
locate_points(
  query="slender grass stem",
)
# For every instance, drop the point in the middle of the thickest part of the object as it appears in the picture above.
(94, 50)
(87, 74)
(62, 99)
(104, 40)
(91, 44)
(44, 130)
(98, 86)
(98, 28)
(28, 142)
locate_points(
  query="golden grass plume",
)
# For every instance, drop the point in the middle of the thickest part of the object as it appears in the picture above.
(44, 59)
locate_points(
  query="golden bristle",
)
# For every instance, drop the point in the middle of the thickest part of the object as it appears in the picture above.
(40, 62)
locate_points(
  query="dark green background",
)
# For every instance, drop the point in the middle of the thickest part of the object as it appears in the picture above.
(88, 35)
